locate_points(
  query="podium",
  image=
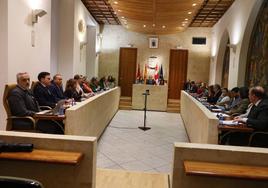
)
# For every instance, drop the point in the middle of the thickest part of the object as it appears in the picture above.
(144, 128)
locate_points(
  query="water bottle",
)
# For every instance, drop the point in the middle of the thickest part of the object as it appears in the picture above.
(73, 102)
(221, 118)
(61, 111)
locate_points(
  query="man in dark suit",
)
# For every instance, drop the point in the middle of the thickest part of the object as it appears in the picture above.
(23, 103)
(56, 88)
(256, 119)
(41, 91)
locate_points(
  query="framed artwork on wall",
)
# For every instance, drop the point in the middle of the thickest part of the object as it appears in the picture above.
(153, 42)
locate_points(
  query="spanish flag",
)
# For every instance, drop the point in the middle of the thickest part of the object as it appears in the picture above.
(145, 73)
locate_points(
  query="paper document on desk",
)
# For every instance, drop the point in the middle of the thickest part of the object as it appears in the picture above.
(220, 114)
(43, 112)
(216, 110)
(229, 122)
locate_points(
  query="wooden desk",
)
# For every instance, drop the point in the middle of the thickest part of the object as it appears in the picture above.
(48, 156)
(200, 123)
(157, 100)
(91, 117)
(236, 128)
(242, 157)
(58, 161)
(49, 117)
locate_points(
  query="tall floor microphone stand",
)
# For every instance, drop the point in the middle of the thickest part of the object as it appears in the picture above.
(144, 128)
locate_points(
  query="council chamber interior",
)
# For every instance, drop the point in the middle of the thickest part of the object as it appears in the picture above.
(134, 93)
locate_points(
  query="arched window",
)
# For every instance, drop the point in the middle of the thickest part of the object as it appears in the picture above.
(225, 67)
(257, 61)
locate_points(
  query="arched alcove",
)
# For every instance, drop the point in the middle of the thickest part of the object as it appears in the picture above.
(243, 56)
(257, 59)
(225, 67)
(221, 56)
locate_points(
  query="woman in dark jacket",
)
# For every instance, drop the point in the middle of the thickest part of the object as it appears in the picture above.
(71, 92)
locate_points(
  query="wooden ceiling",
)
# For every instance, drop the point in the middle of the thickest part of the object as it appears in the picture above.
(210, 12)
(158, 16)
(102, 11)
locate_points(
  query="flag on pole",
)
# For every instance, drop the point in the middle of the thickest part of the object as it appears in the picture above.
(161, 76)
(145, 73)
(138, 76)
(156, 75)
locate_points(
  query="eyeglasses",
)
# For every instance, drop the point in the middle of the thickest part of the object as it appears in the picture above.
(25, 79)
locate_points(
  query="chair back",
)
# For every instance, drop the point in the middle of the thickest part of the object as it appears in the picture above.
(33, 85)
(8, 89)
(13, 182)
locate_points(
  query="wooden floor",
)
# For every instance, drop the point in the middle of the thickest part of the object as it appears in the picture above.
(107, 178)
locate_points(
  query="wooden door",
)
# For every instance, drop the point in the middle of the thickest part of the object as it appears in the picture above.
(177, 72)
(127, 70)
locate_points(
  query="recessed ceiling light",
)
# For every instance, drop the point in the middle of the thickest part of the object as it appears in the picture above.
(183, 25)
(115, 2)
(189, 12)
(144, 25)
(153, 25)
(115, 13)
(122, 17)
(186, 19)
(119, 10)
(163, 26)
(194, 4)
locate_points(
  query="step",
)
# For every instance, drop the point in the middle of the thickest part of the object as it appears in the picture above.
(127, 103)
(106, 178)
(125, 98)
(173, 101)
(173, 105)
(125, 107)
(173, 111)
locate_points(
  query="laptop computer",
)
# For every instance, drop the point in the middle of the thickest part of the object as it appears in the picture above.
(55, 111)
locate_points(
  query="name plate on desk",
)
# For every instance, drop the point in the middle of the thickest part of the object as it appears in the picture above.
(157, 100)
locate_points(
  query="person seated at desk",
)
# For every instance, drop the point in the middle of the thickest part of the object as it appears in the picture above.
(71, 90)
(56, 87)
(193, 87)
(41, 91)
(103, 83)
(224, 98)
(150, 81)
(242, 105)
(257, 119)
(235, 98)
(94, 84)
(217, 93)
(202, 91)
(111, 81)
(23, 103)
(86, 86)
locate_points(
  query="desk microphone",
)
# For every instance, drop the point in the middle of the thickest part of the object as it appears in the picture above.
(15, 147)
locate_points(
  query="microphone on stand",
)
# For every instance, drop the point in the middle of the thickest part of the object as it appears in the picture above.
(144, 128)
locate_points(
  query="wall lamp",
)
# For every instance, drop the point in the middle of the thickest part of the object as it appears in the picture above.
(37, 13)
(232, 46)
(213, 58)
